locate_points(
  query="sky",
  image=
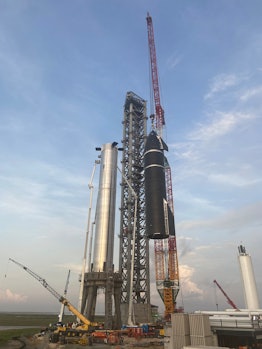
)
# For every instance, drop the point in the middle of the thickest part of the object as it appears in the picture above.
(65, 69)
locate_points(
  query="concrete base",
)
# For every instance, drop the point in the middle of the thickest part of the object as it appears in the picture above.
(111, 282)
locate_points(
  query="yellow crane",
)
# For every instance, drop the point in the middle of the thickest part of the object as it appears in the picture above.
(82, 330)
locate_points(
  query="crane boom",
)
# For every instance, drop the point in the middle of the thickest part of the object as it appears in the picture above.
(229, 300)
(159, 111)
(61, 299)
(40, 279)
(166, 261)
(60, 316)
(67, 283)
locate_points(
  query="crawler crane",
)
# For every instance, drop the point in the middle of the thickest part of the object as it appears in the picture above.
(82, 331)
(229, 300)
(166, 261)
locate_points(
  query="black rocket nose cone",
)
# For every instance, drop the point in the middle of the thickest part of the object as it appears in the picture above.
(155, 142)
(152, 141)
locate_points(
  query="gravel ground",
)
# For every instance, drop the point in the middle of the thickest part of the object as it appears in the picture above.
(42, 342)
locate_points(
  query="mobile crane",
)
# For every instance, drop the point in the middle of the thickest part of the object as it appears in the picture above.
(82, 331)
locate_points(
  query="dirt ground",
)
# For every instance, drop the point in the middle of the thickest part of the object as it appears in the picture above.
(42, 342)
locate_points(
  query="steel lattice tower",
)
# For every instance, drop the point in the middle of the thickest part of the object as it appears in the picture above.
(134, 136)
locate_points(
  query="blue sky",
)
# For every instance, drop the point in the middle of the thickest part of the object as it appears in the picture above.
(65, 69)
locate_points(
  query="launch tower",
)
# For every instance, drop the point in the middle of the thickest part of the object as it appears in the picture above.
(134, 136)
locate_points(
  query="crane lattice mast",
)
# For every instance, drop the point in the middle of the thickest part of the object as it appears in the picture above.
(61, 298)
(60, 316)
(159, 111)
(229, 300)
(41, 280)
(166, 261)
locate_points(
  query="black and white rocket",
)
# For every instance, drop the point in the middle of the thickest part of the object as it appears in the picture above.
(159, 217)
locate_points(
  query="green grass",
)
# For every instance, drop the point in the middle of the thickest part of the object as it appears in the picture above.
(31, 319)
(26, 319)
(6, 335)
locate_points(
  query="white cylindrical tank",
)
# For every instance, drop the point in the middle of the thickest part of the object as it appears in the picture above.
(105, 210)
(248, 277)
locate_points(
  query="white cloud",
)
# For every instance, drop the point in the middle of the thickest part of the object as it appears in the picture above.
(173, 61)
(185, 245)
(36, 193)
(75, 268)
(233, 220)
(251, 93)
(233, 179)
(221, 124)
(8, 296)
(189, 287)
(221, 83)
(185, 151)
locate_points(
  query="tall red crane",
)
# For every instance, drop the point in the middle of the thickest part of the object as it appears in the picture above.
(159, 111)
(229, 300)
(166, 261)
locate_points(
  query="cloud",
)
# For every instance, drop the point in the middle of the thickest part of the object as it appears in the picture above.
(8, 296)
(36, 193)
(233, 179)
(221, 124)
(189, 287)
(231, 221)
(185, 151)
(221, 83)
(173, 61)
(185, 246)
(75, 268)
(251, 93)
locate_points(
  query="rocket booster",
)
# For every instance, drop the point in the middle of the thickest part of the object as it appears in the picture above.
(159, 218)
(105, 210)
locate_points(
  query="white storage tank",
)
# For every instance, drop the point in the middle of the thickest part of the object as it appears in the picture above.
(248, 278)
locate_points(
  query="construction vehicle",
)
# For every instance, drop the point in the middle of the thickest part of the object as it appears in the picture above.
(111, 337)
(81, 332)
(166, 260)
(229, 300)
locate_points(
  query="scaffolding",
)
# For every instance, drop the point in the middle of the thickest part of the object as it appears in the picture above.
(134, 137)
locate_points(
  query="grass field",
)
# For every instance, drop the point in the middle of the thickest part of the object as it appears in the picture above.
(41, 321)
(31, 319)
(26, 319)
(6, 335)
